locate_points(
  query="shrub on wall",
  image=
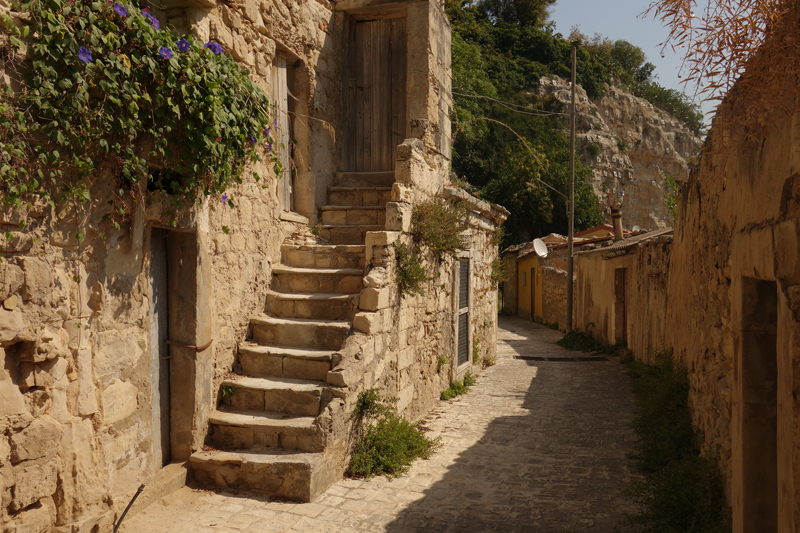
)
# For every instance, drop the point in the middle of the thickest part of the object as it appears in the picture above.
(106, 85)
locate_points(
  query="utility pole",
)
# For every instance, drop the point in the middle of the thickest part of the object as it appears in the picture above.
(571, 199)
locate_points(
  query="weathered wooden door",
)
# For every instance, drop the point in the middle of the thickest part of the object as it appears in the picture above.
(375, 94)
(159, 351)
(282, 135)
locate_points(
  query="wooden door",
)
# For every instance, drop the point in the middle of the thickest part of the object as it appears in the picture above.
(463, 312)
(159, 351)
(620, 307)
(375, 94)
(282, 136)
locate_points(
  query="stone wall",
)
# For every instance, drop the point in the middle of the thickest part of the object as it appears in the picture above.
(554, 296)
(76, 413)
(734, 296)
(402, 336)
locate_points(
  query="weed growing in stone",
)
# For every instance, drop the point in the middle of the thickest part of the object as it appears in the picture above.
(386, 443)
(411, 275)
(438, 225)
(443, 360)
(226, 392)
(458, 388)
(682, 489)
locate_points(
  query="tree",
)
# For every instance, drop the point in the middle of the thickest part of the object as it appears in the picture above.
(520, 12)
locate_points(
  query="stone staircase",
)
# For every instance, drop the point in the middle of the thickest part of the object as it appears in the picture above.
(270, 435)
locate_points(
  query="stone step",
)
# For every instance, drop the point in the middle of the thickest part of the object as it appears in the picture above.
(300, 332)
(364, 179)
(364, 196)
(312, 305)
(323, 256)
(280, 473)
(235, 429)
(277, 361)
(350, 234)
(292, 396)
(353, 215)
(318, 280)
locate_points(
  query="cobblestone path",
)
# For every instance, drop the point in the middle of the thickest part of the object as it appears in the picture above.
(537, 445)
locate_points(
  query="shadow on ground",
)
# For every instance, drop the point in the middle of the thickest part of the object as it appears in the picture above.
(560, 467)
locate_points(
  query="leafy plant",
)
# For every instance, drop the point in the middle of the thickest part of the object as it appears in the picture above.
(457, 388)
(499, 271)
(682, 488)
(105, 86)
(316, 230)
(226, 392)
(443, 360)
(671, 189)
(438, 225)
(411, 276)
(594, 149)
(622, 145)
(387, 443)
(476, 348)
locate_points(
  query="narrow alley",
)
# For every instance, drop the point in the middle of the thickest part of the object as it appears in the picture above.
(539, 444)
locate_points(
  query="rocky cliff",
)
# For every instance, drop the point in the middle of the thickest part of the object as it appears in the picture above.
(626, 140)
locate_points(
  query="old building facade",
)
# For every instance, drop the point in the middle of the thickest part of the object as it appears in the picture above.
(233, 346)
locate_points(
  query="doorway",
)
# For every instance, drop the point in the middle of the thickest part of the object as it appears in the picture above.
(159, 350)
(760, 405)
(375, 94)
(620, 307)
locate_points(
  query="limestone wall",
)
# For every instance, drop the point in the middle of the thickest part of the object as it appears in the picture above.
(652, 139)
(76, 414)
(734, 296)
(554, 296)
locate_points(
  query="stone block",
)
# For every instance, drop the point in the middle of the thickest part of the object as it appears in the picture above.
(402, 193)
(119, 401)
(305, 368)
(368, 322)
(33, 480)
(87, 399)
(374, 299)
(12, 326)
(405, 357)
(377, 277)
(398, 216)
(5, 452)
(404, 398)
(115, 352)
(12, 402)
(40, 439)
(38, 278)
(786, 251)
(36, 519)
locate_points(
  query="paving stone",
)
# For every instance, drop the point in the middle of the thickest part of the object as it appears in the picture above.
(536, 446)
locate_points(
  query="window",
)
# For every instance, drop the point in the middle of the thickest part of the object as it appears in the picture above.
(462, 324)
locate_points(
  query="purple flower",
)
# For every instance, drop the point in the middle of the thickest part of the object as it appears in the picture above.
(253, 139)
(184, 45)
(165, 52)
(215, 47)
(153, 19)
(120, 10)
(84, 54)
(269, 146)
(224, 199)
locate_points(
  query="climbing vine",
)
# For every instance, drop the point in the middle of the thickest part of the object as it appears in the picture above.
(104, 86)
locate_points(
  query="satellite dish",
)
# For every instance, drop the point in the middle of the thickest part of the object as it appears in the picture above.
(540, 247)
(635, 229)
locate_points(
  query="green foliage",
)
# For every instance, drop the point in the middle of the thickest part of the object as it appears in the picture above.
(499, 271)
(387, 444)
(581, 341)
(316, 230)
(594, 149)
(411, 276)
(498, 59)
(439, 225)
(521, 12)
(457, 388)
(476, 349)
(682, 489)
(112, 90)
(226, 392)
(671, 189)
(443, 360)
(622, 145)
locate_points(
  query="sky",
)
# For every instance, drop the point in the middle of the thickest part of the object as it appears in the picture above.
(620, 19)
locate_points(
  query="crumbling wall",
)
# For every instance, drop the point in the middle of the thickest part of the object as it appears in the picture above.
(737, 227)
(554, 296)
(76, 420)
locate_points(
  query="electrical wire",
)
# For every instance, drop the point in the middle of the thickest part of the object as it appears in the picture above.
(508, 105)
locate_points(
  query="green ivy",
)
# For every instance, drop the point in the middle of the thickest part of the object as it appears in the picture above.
(104, 85)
